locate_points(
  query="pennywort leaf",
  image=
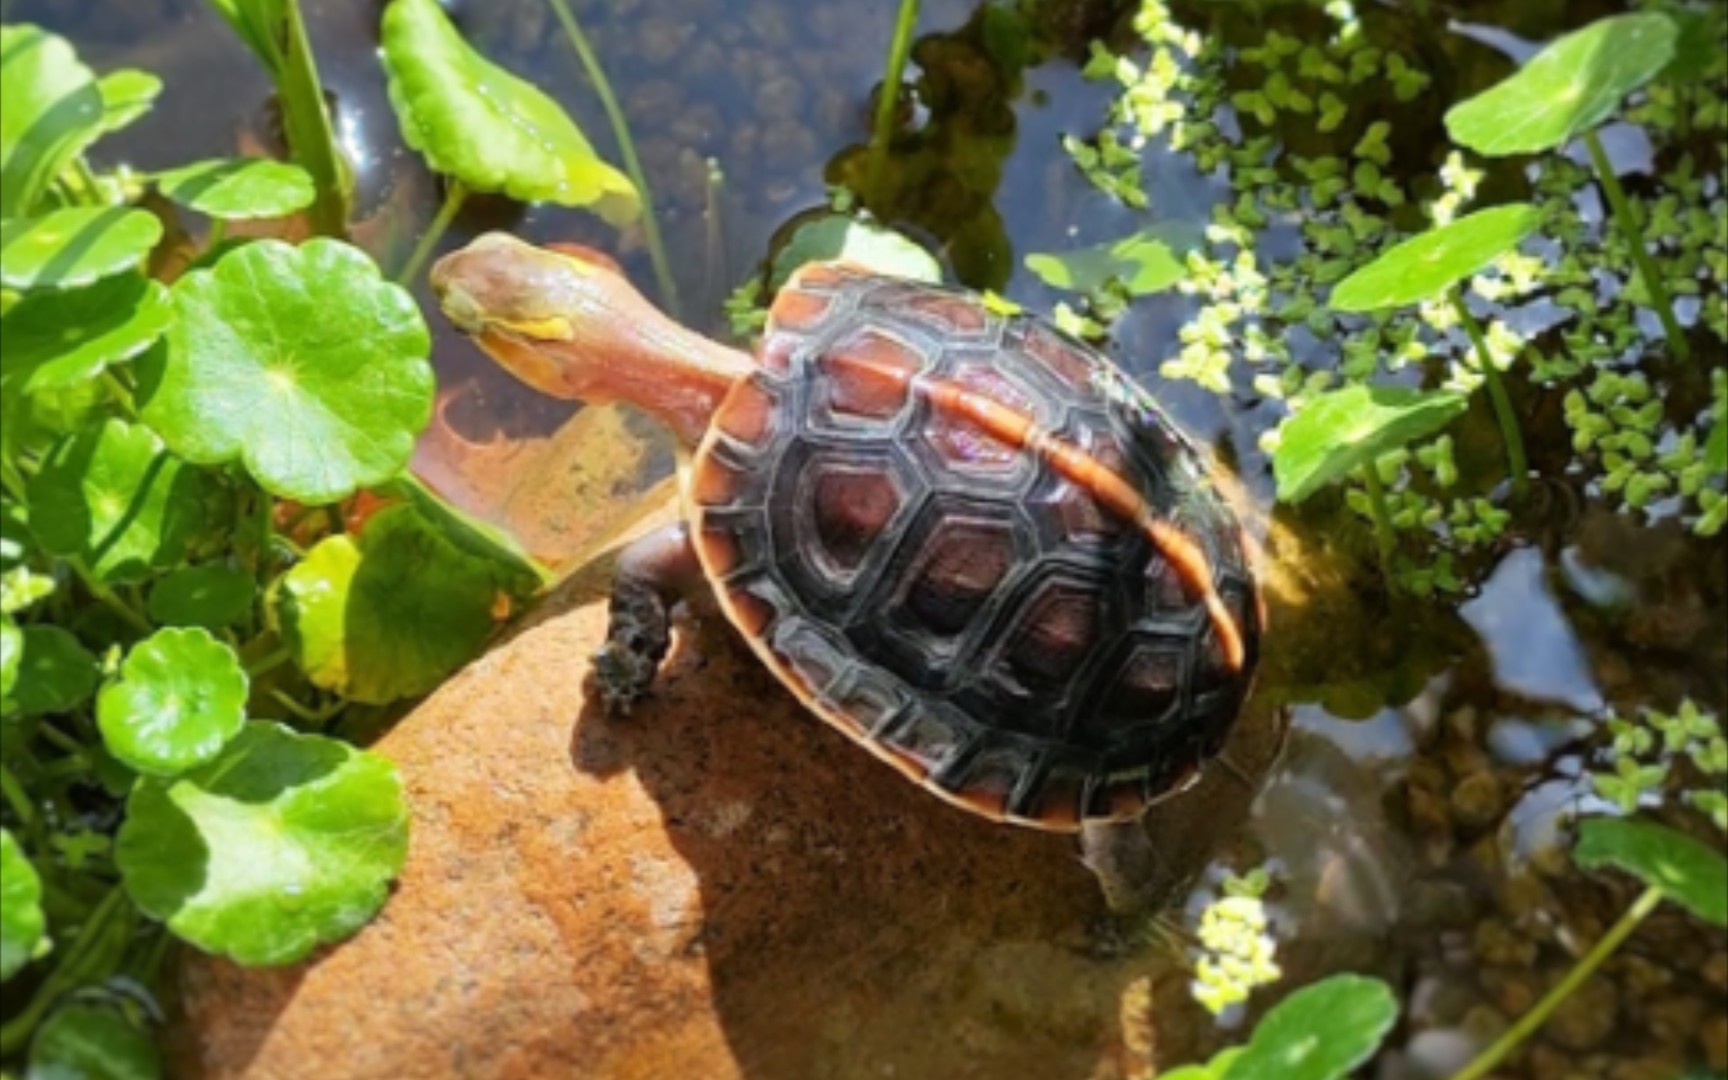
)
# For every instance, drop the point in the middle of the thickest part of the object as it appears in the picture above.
(1143, 262)
(22, 924)
(299, 362)
(90, 1039)
(282, 843)
(237, 188)
(67, 248)
(55, 674)
(1429, 263)
(127, 94)
(53, 339)
(842, 237)
(211, 596)
(444, 91)
(53, 111)
(180, 697)
(1338, 432)
(1688, 873)
(1320, 1032)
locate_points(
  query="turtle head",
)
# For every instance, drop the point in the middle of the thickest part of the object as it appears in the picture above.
(565, 321)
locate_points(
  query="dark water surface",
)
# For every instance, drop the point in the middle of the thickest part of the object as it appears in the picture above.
(1415, 821)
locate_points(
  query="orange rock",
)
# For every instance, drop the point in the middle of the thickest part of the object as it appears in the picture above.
(718, 887)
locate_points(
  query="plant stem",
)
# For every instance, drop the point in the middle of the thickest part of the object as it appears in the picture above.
(626, 150)
(218, 232)
(1383, 538)
(1634, 234)
(268, 662)
(454, 195)
(306, 122)
(1517, 465)
(89, 951)
(1534, 1019)
(109, 599)
(18, 801)
(898, 50)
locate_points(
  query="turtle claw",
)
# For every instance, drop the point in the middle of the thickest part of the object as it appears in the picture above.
(622, 676)
(636, 642)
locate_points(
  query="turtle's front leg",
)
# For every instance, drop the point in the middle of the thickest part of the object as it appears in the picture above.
(654, 573)
(1125, 862)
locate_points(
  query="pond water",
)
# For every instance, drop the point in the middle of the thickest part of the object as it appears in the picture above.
(1415, 823)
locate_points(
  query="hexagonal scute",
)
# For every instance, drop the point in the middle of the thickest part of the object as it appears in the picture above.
(865, 378)
(950, 312)
(1147, 686)
(961, 444)
(850, 506)
(961, 563)
(1056, 629)
(1068, 361)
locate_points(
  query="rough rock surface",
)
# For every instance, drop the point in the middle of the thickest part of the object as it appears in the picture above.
(719, 886)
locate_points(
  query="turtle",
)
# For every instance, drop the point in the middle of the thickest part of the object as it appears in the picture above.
(962, 538)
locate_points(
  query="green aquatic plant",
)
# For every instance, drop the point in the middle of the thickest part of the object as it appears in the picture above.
(888, 98)
(443, 90)
(1434, 263)
(1320, 1032)
(171, 462)
(1565, 92)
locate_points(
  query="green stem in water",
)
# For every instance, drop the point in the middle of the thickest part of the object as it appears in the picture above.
(109, 599)
(454, 195)
(91, 955)
(1627, 220)
(1537, 1016)
(1383, 538)
(18, 801)
(218, 232)
(898, 50)
(306, 123)
(1517, 464)
(270, 661)
(626, 150)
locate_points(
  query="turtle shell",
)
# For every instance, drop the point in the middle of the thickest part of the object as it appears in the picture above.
(971, 544)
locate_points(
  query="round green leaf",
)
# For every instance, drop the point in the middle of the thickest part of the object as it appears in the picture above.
(92, 1041)
(389, 616)
(74, 247)
(180, 697)
(53, 111)
(127, 94)
(301, 362)
(53, 339)
(838, 236)
(234, 188)
(56, 673)
(212, 596)
(444, 93)
(11, 655)
(112, 495)
(1688, 873)
(284, 842)
(1339, 432)
(1567, 88)
(1320, 1032)
(1431, 262)
(1143, 262)
(22, 924)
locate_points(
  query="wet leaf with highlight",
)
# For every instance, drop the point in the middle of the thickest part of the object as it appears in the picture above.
(1688, 872)
(209, 596)
(239, 188)
(1428, 264)
(1339, 432)
(444, 92)
(53, 339)
(300, 362)
(22, 924)
(837, 236)
(1568, 88)
(127, 94)
(387, 616)
(1320, 1032)
(112, 495)
(91, 1040)
(56, 673)
(180, 697)
(53, 112)
(1143, 262)
(67, 248)
(283, 843)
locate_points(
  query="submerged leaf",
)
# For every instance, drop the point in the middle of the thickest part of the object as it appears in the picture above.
(445, 94)
(844, 238)
(284, 842)
(53, 339)
(89, 1040)
(300, 362)
(1431, 262)
(180, 697)
(22, 924)
(389, 615)
(1686, 871)
(53, 111)
(1339, 432)
(1320, 1032)
(112, 495)
(1572, 85)
(73, 247)
(237, 188)
(1144, 262)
